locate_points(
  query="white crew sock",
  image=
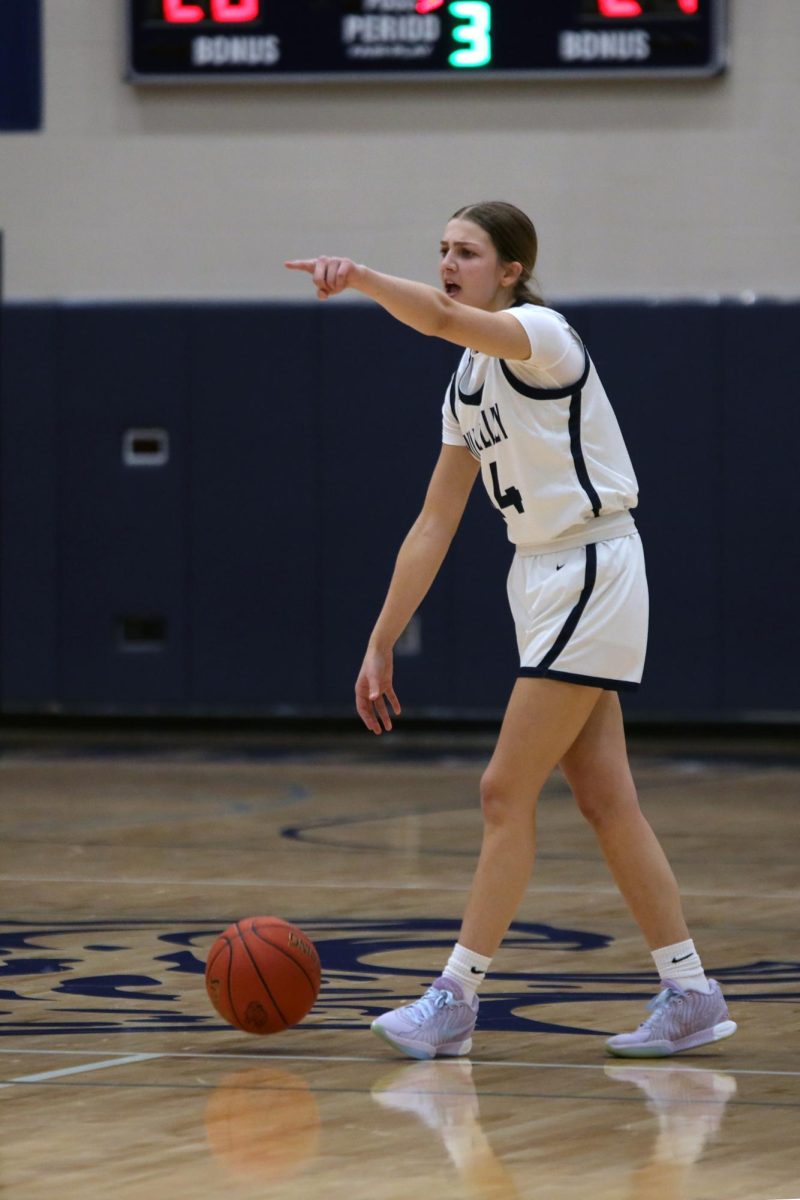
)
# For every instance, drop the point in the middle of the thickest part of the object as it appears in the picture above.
(681, 962)
(468, 968)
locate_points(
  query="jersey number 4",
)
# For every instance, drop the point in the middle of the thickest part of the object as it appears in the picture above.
(510, 498)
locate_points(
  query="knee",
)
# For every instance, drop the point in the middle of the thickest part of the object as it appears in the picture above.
(604, 805)
(502, 803)
(592, 804)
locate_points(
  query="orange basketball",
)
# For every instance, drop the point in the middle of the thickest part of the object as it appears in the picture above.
(262, 974)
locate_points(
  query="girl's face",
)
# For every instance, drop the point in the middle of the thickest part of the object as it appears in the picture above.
(470, 269)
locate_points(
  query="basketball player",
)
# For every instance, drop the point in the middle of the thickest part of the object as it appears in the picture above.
(526, 409)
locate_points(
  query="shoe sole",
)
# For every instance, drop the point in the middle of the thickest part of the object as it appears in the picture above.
(664, 1049)
(421, 1053)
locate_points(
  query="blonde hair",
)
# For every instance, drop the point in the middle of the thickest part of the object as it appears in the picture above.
(513, 236)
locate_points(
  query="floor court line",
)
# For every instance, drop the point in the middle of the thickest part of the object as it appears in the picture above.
(400, 886)
(44, 1076)
(266, 1059)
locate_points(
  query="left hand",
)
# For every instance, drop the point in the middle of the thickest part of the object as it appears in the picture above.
(373, 688)
(330, 275)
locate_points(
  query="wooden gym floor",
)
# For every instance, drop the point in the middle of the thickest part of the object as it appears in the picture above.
(124, 855)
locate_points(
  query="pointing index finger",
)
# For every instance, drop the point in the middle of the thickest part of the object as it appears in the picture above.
(301, 264)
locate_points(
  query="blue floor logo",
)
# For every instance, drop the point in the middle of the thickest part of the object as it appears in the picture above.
(75, 977)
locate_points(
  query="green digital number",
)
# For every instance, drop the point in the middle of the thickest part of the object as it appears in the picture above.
(475, 31)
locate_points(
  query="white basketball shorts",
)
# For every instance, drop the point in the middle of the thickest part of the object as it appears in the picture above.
(581, 615)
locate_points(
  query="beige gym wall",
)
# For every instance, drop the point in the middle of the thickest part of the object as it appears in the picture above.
(667, 188)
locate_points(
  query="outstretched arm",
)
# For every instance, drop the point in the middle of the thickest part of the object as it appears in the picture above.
(418, 563)
(424, 308)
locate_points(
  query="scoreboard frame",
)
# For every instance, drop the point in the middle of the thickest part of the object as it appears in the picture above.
(570, 39)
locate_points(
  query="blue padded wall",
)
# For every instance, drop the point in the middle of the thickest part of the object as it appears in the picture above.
(661, 367)
(760, 564)
(121, 529)
(379, 412)
(253, 601)
(302, 438)
(29, 456)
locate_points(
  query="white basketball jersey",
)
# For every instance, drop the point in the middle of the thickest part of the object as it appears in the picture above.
(552, 458)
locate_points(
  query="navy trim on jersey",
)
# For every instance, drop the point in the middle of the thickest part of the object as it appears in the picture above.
(577, 454)
(473, 400)
(608, 685)
(571, 623)
(534, 393)
(452, 397)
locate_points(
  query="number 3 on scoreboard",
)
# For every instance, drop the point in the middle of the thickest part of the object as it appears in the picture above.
(475, 31)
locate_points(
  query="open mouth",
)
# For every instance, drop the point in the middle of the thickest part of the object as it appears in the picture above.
(452, 289)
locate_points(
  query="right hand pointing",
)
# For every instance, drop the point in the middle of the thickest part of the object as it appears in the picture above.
(330, 275)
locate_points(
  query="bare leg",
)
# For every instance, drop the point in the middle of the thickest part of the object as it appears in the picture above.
(596, 767)
(543, 718)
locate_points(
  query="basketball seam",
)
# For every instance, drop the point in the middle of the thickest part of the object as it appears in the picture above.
(267, 988)
(210, 962)
(228, 989)
(285, 953)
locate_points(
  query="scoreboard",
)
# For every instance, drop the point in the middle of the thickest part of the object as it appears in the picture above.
(282, 41)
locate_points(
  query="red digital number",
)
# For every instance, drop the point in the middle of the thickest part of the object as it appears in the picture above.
(632, 8)
(235, 10)
(619, 8)
(178, 13)
(226, 12)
